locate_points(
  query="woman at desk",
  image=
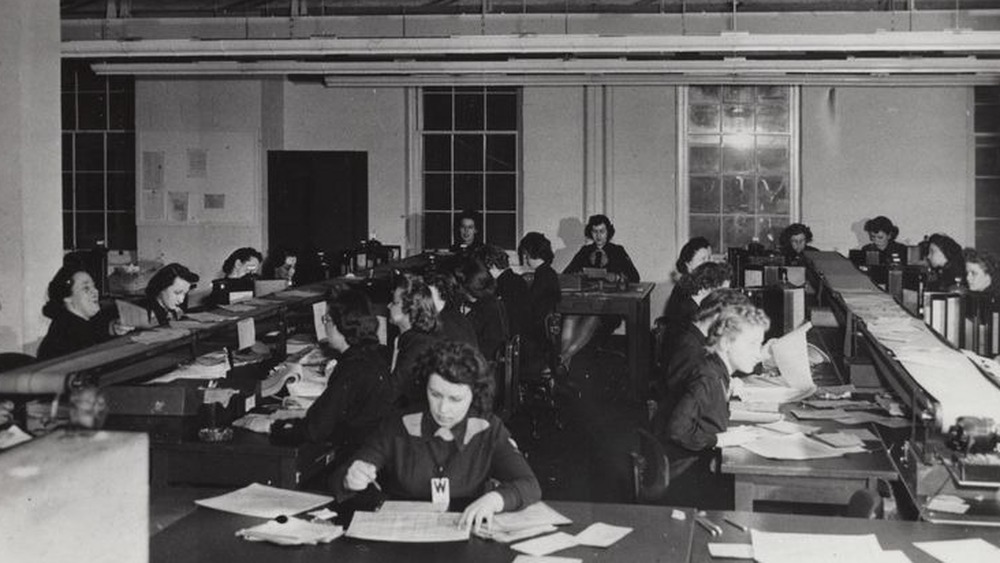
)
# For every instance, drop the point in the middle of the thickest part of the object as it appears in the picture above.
(238, 270)
(689, 430)
(694, 253)
(412, 311)
(882, 234)
(543, 296)
(794, 240)
(486, 313)
(166, 292)
(944, 256)
(453, 450)
(601, 253)
(982, 272)
(75, 312)
(467, 233)
(281, 264)
(356, 398)
(453, 324)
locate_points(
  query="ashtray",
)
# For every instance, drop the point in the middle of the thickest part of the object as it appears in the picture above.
(215, 434)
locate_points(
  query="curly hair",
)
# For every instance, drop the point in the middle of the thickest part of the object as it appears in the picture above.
(460, 363)
(165, 277)
(242, 255)
(718, 300)
(60, 288)
(987, 261)
(493, 257)
(595, 220)
(710, 275)
(446, 285)
(477, 280)
(688, 251)
(351, 312)
(882, 224)
(733, 320)
(535, 245)
(418, 303)
(785, 239)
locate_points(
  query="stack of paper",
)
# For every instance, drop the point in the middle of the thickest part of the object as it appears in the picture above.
(293, 531)
(597, 534)
(539, 518)
(261, 423)
(792, 358)
(414, 527)
(971, 550)
(264, 502)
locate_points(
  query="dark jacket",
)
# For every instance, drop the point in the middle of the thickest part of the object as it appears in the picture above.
(404, 388)
(482, 455)
(678, 312)
(680, 354)
(69, 333)
(490, 323)
(543, 296)
(456, 326)
(885, 256)
(514, 294)
(793, 258)
(951, 277)
(616, 260)
(356, 399)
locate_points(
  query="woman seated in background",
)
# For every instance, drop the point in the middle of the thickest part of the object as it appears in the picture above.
(694, 253)
(466, 233)
(447, 297)
(944, 256)
(166, 292)
(982, 271)
(486, 313)
(689, 429)
(357, 397)
(412, 311)
(75, 312)
(794, 240)
(882, 234)
(453, 451)
(601, 253)
(280, 265)
(543, 296)
(511, 288)
(243, 262)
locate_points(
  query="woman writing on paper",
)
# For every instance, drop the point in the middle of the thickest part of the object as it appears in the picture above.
(453, 452)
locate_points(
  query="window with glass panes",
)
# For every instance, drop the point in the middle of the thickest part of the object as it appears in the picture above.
(987, 127)
(739, 145)
(470, 158)
(98, 144)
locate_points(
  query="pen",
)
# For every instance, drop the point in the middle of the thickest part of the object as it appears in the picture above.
(736, 524)
(710, 527)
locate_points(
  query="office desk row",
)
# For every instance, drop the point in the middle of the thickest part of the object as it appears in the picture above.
(208, 536)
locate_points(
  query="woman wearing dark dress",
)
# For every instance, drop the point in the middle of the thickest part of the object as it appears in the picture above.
(166, 292)
(794, 240)
(466, 233)
(947, 263)
(412, 311)
(577, 330)
(239, 271)
(486, 312)
(694, 253)
(689, 429)
(74, 309)
(511, 288)
(446, 295)
(882, 234)
(453, 451)
(543, 296)
(357, 395)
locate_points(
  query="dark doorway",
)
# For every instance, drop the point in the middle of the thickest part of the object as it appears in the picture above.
(317, 201)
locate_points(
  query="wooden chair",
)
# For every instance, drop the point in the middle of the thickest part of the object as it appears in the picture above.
(508, 367)
(650, 469)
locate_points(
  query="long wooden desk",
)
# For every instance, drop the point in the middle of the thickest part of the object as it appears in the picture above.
(209, 536)
(631, 303)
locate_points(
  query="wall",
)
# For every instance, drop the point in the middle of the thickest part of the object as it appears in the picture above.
(223, 116)
(30, 165)
(899, 152)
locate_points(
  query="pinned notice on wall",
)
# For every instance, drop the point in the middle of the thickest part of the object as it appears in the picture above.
(152, 170)
(215, 201)
(247, 331)
(197, 163)
(152, 205)
(178, 208)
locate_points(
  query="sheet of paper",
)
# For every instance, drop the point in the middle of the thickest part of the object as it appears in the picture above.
(130, 314)
(950, 505)
(546, 559)
(206, 317)
(795, 447)
(516, 535)
(12, 436)
(407, 527)
(319, 311)
(263, 501)
(177, 206)
(600, 534)
(753, 417)
(970, 550)
(730, 550)
(839, 440)
(294, 531)
(247, 331)
(774, 547)
(862, 433)
(737, 436)
(819, 414)
(789, 427)
(411, 506)
(792, 357)
(383, 330)
(535, 515)
(546, 544)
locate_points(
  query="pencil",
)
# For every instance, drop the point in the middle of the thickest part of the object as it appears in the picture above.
(736, 524)
(709, 526)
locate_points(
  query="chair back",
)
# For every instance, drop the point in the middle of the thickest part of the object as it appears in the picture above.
(508, 369)
(650, 469)
(14, 360)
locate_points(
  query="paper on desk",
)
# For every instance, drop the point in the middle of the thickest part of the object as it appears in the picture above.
(600, 534)
(515, 535)
(791, 354)
(293, 532)
(948, 503)
(730, 550)
(546, 544)
(753, 417)
(536, 514)
(970, 550)
(12, 436)
(237, 307)
(158, 335)
(546, 559)
(296, 293)
(839, 440)
(206, 317)
(863, 433)
(737, 436)
(796, 447)
(789, 427)
(819, 414)
(411, 506)
(130, 314)
(408, 527)
(263, 501)
(773, 547)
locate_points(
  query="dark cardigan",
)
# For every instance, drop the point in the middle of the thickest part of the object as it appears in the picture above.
(618, 261)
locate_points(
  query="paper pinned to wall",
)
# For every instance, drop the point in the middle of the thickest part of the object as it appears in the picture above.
(178, 206)
(215, 201)
(152, 205)
(152, 170)
(197, 163)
